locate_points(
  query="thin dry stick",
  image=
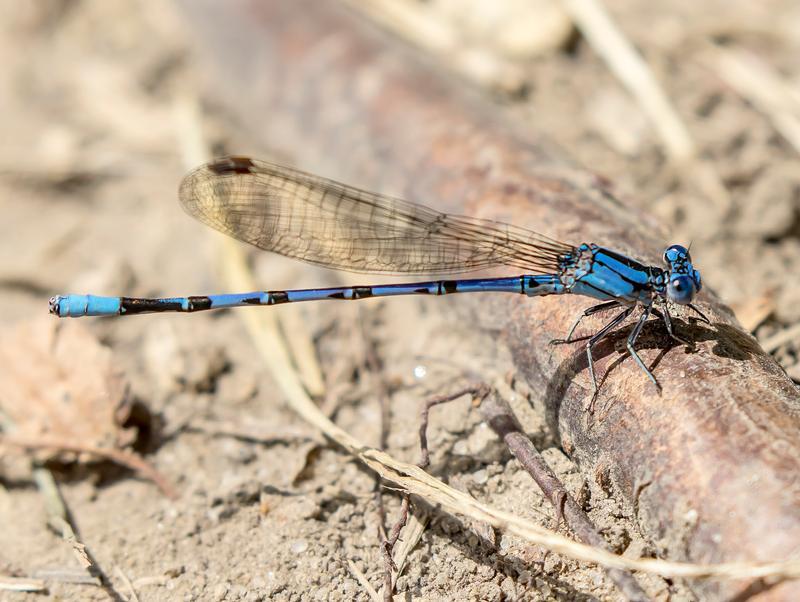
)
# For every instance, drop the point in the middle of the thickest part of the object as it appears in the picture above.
(628, 66)
(787, 335)
(412, 533)
(419, 24)
(362, 579)
(58, 520)
(477, 391)
(123, 458)
(121, 574)
(21, 584)
(759, 85)
(387, 540)
(301, 347)
(499, 416)
(388, 546)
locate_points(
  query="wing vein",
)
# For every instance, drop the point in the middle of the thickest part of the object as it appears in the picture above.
(320, 221)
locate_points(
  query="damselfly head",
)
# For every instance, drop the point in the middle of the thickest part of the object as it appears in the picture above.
(683, 281)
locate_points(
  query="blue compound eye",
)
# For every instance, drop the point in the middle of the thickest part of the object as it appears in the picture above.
(681, 289)
(675, 252)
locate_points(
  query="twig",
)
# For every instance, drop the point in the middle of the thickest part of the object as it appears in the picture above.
(779, 339)
(362, 579)
(388, 546)
(417, 522)
(372, 364)
(479, 391)
(302, 349)
(21, 584)
(74, 576)
(58, 521)
(124, 578)
(266, 435)
(759, 85)
(628, 66)
(412, 533)
(118, 456)
(499, 416)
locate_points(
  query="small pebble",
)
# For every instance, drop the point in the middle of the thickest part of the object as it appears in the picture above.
(299, 546)
(480, 476)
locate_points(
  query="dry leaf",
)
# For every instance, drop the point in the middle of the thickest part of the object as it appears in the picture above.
(753, 311)
(60, 384)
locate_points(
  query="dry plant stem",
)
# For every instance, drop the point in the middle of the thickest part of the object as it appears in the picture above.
(779, 339)
(760, 85)
(373, 364)
(478, 391)
(266, 435)
(133, 597)
(412, 533)
(363, 581)
(387, 540)
(127, 459)
(388, 546)
(499, 416)
(58, 521)
(351, 103)
(634, 73)
(629, 67)
(21, 584)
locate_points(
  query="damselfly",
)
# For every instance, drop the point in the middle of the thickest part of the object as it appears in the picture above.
(324, 222)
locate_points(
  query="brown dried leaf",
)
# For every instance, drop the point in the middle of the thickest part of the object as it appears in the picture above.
(60, 384)
(753, 311)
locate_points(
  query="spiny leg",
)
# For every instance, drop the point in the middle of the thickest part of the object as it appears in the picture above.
(699, 313)
(587, 312)
(632, 339)
(596, 337)
(668, 322)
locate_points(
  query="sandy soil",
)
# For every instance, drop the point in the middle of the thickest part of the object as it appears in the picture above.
(267, 509)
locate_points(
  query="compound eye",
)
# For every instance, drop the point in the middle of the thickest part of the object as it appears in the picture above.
(681, 290)
(675, 252)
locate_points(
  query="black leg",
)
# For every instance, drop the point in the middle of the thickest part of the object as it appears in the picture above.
(597, 337)
(700, 313)
(632, 339)
(668, 322)
(587, 312)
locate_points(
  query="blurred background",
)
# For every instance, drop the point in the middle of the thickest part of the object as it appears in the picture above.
(704, 134)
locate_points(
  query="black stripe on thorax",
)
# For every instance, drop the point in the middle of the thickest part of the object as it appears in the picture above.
(623, 259)
(635, 266)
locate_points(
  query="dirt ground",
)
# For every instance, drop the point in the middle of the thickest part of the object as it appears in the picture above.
(90, 162)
